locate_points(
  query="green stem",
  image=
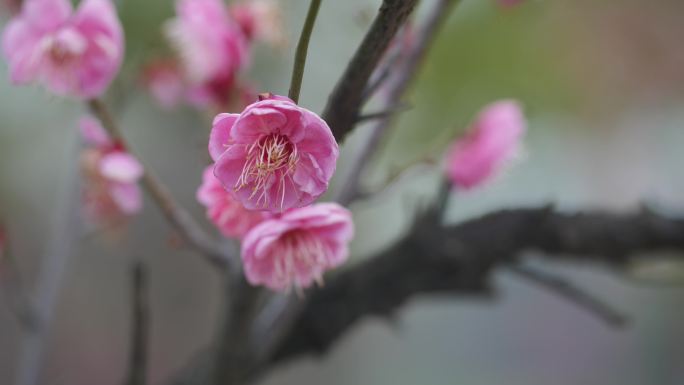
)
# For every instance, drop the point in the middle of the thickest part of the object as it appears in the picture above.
(302, 48)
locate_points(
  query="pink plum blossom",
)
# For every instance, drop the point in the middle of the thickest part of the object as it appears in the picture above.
(297, 247)
(165, 83)
(227, 214)
(492, 140)
(260, 20)
(212, 46)
(70, 53)
(274, 155)
(111, 188)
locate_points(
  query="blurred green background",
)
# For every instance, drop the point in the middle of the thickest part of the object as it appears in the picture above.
(602, 83)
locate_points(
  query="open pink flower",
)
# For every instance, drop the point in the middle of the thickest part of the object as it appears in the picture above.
(296, 248)
(229, 216)
(211, 45)
(493, 139)
(76, 54)
(111, 188)
(274, 155)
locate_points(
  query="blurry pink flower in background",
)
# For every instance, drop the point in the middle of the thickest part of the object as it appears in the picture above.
(274, 155)
(164, 81)
(168, 86)
(75, 54)
(227, 214)
(260, 20)
(296, 248)
(493, 139)
(221, 96)
(211, 44)
(111, 176)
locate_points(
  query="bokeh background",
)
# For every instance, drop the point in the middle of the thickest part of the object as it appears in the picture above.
(603, 85)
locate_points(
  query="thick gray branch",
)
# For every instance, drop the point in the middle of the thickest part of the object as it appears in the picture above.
(458, 260)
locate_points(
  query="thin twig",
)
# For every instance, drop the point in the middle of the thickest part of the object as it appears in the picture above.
(381, 75)
(406, 72)
(345, 101)
(140, 324)
(572, 293)
(302, 48)
(395, 179)
(65, 231)
(14, 288)
(176, 215)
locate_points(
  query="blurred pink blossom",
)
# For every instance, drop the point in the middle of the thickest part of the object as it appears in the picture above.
(220, 96)
(211, 44)
(164, 81)
(493, 139)
(70, 53)
(274, 155)
(111, 189)
(227, 214)
(260, 20)
(296, 248)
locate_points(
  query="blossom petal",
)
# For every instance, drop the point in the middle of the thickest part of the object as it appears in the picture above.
(121, 167)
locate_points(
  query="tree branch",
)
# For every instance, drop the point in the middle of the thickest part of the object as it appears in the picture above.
(345, 102)
(180, 219)
(65, 230)
(459, 260)
(571, 293)
(406, 71)
(140, 320)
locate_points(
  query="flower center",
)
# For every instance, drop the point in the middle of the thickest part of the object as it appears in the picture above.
(300, 255)
(271, 159)
(65, 46)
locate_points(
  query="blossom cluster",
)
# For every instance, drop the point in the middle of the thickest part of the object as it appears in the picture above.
(213, 43)
(272, 161)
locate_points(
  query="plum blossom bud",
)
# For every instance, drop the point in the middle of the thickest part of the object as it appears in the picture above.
(211, 45)
(71, 53)
(296, 248)
(227, 214)
(111, 176)
(493, 139)
(273, 156)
